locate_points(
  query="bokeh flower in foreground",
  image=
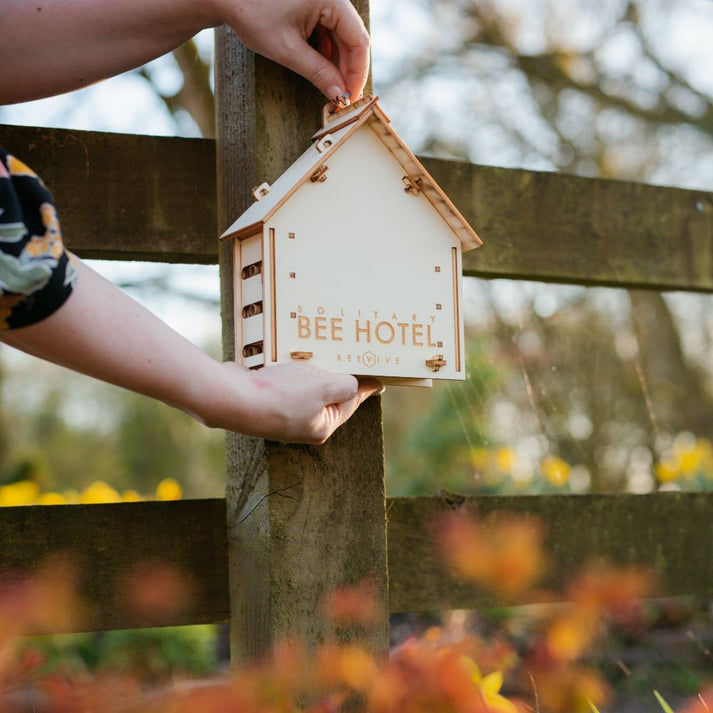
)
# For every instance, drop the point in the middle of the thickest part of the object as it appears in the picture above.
(501, 552)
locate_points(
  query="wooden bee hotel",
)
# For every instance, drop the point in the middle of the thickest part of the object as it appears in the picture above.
(351, 260)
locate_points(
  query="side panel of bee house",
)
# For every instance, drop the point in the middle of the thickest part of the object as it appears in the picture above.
(248, 272)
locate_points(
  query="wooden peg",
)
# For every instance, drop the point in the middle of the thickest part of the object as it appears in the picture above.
(324, 143)
(412, 185)
(320, 175)
(436, 363)
(301, 356)
(261, 191)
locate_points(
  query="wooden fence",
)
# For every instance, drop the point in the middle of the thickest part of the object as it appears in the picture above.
(298, 521)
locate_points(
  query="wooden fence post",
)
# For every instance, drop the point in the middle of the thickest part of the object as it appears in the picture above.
(301, 521)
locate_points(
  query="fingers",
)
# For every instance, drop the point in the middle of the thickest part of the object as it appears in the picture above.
(344, 388)
(316, 68)
(352, 43)
(340, 388)
(342, 65)
(337, 412)
(370, 387)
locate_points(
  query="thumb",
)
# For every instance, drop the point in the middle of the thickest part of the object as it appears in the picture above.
(369, 386)
(340, 388)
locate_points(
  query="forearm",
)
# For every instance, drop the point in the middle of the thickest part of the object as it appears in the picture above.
(52, 46)
(100, 331)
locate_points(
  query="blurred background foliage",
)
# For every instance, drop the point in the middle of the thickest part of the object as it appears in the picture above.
(569, 389)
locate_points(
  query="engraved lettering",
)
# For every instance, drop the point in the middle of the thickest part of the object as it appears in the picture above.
(417, 335)
(385, 332)
(320, 328)
(335, 331)
(303, 328)
(359, 330)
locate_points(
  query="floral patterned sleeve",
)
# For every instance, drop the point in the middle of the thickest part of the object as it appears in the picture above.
(36, 272)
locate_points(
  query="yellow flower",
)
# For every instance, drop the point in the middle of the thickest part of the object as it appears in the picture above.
(667, 471)
(51, 499)
(505, 459)
(688, 462)
(555, 470)
(169, 489)
(23, 492)
(489, 687)
(71, 496)
(99, 492)
(130, 496)
(480, 458)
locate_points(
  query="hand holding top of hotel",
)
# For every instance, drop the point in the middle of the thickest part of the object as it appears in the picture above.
(280, 29)
(53, 46)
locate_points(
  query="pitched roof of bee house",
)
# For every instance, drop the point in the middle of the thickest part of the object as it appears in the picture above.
(335, 132)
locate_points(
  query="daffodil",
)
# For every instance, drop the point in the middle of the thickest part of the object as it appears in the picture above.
(505, 459)
(667, 471)
(22, 492)
(489, 687)
(169, 489)
(555, 470)
(130, 496)
(99, 492)
(51, 499)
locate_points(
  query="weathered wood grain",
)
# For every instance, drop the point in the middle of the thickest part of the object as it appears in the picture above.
(669, 534)
(122, 196)
(541, 226)
(559, 228)
(105, 548)
(302, 521)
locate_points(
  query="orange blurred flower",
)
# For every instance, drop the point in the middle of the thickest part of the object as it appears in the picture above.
(155, 589)
(571, 632)
(502, 552)
(357, 605)
(569, 689)
(345, 665)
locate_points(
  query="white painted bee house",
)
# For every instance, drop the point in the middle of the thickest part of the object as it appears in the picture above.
(351, 260)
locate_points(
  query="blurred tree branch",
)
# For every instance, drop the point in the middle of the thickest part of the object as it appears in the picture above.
(195, 96)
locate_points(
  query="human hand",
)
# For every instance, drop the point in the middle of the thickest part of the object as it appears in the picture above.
(281, 30)
(291, 402)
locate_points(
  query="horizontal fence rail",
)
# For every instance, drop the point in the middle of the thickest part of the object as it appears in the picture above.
(151, 198)
(104, 547)
(124, 196)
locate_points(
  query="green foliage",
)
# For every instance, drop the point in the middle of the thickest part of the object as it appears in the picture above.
(149, 654)
(159, 653)
(442, 428)
(666, 707)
